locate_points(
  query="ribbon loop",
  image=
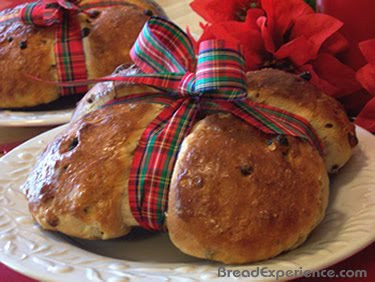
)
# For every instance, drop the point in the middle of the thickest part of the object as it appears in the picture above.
(163, 47)
(221, 70)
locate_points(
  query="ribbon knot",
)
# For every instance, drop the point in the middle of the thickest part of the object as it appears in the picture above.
(187, 86)
(47, 12)
(217, 73)
(220, 73)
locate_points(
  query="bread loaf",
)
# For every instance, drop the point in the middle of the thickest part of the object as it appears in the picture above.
(237, 194)
(325, 114)
(26, 50)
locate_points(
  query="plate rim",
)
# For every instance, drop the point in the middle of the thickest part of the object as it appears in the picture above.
(10, 118)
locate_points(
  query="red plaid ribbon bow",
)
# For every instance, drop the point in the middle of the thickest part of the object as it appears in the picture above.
(214, 81)
(69, 52)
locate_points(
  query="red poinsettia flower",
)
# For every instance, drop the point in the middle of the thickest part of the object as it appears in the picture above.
(218, 10)
(366, 76)
(283, 34)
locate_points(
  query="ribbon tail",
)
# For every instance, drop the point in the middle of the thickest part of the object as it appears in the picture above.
(273, 120)
(10, 17)
(69, 55)
(169, 82)
(154, 160)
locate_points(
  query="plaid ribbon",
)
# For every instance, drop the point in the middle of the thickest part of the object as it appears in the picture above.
(215, 81)
(69, 52)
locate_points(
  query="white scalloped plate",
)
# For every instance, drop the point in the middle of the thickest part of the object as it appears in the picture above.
(37, 118)
(348, 227)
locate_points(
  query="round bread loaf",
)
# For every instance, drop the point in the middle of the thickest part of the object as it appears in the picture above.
(238, 195)
(80, 183)
(325, 114)
(26, 50)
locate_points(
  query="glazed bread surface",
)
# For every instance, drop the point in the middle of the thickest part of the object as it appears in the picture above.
(238, 195)
(325, 114)
(25, 50)
(80, 183)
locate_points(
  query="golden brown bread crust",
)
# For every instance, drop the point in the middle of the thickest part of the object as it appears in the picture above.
(16, 90)
(103, 92)
(236, 199)
(79, 186)
(111, 37)
(325, 114)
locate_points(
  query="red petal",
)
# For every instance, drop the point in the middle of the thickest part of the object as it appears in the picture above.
(213, 10)
(366, 118)
(299, 51)
(282, 15)
(366, 76)
(218, 11)
(252, 17)
(323, 85)
(337, 74)
(355, 102)
(368, 50)
(269, 43)
(206, 34)
(335, 44)
(241, 33)
(317, 28)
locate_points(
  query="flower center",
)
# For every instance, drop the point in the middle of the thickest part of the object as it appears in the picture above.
(241, 11)
(281, 64)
